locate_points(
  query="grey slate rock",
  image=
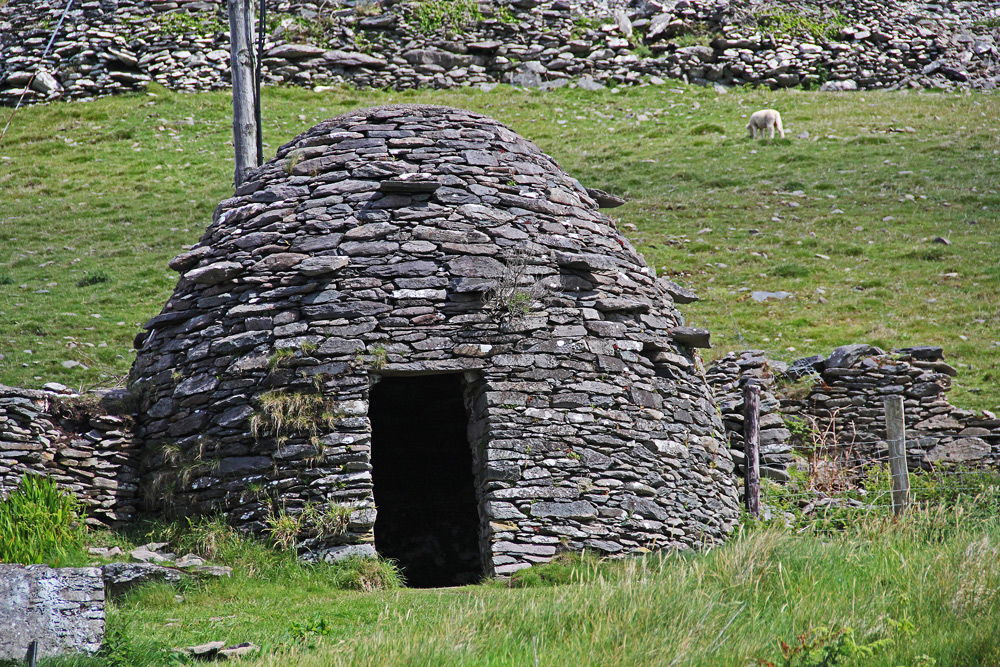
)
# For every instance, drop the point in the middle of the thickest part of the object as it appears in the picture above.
(847, 356)
(120, 578)
(61, 608)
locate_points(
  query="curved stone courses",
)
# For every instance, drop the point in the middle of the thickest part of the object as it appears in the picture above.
(120, 45)
(590, 427)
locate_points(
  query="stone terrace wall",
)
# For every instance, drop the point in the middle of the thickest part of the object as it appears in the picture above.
(727, 376)
(93, 455)
(849, 393)
(109, 46)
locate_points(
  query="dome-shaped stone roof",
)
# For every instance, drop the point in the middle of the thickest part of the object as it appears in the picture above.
(414, 308)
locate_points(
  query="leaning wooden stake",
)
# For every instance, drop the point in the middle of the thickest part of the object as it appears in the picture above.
(895, 434)
(241, 59)
(751, 447)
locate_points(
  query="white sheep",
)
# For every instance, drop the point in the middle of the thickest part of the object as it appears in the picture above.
(765, 119)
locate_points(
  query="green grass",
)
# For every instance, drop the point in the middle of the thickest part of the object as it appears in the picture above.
(118, 186)
(40, 523)
(918, 589)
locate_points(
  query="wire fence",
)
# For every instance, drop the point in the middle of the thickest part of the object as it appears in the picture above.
(894, 475)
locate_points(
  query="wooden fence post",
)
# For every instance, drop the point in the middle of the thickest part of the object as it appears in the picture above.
(751, 447)
(895, 434)
(31, 657)
(241, 58)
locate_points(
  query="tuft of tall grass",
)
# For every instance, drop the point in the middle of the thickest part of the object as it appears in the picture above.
(39, 523)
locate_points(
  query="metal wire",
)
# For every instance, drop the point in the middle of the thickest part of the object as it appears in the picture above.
(31, 79)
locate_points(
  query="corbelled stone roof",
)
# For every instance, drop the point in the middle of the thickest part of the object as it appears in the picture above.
(420, 239)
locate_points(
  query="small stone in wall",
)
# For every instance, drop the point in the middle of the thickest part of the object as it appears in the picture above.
(962, 450)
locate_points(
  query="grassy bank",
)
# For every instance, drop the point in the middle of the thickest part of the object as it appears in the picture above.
(922, 592)
(96, 197)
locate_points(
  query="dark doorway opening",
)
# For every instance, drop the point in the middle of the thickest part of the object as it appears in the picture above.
(428, 519)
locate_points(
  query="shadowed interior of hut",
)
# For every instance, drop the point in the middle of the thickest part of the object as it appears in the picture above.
(428, 519)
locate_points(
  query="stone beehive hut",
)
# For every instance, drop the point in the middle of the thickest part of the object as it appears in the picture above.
(411, 332)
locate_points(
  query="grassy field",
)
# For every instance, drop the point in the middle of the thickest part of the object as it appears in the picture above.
(96, 197)
(918, 593)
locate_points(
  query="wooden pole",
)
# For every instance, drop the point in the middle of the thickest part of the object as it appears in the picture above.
(31, 657)
(241, 59)
(751, 447)
(895, 434)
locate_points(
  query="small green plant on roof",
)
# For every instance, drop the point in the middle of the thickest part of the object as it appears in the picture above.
(584, 23)
(452, 16)
(377, 359)
(513, 291)
(368, 8)
(39, 523)
(293, 159)
(504, 14)
(282, 413)
(642, 51)
(320, 30)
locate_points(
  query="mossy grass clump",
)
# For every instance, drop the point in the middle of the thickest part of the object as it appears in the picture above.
(282, 413)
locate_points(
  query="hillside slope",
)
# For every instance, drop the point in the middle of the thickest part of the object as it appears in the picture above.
(881, 223)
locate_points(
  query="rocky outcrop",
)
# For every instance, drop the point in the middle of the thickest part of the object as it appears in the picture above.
(110, 46)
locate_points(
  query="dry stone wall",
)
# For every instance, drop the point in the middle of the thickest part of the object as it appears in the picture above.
(401, 241)
(845, 405)
(727, 376)
(84, 451)
(109, 46)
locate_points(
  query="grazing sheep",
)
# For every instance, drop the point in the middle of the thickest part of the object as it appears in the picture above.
(765, 119)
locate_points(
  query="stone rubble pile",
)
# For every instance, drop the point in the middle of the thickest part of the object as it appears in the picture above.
(727, 376)
(109, 46)
(424, 240)
(845, 404)
(94, 455)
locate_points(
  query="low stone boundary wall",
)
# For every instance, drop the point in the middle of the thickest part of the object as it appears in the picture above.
(94, 455)
(727, 377)
(845, 407)
(60, 608)
(110, 46)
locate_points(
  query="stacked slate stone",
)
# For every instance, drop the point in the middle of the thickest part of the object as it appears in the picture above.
(847, 403)
(92, 455)
(406, 240)
(110, 46)
(727, 376)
